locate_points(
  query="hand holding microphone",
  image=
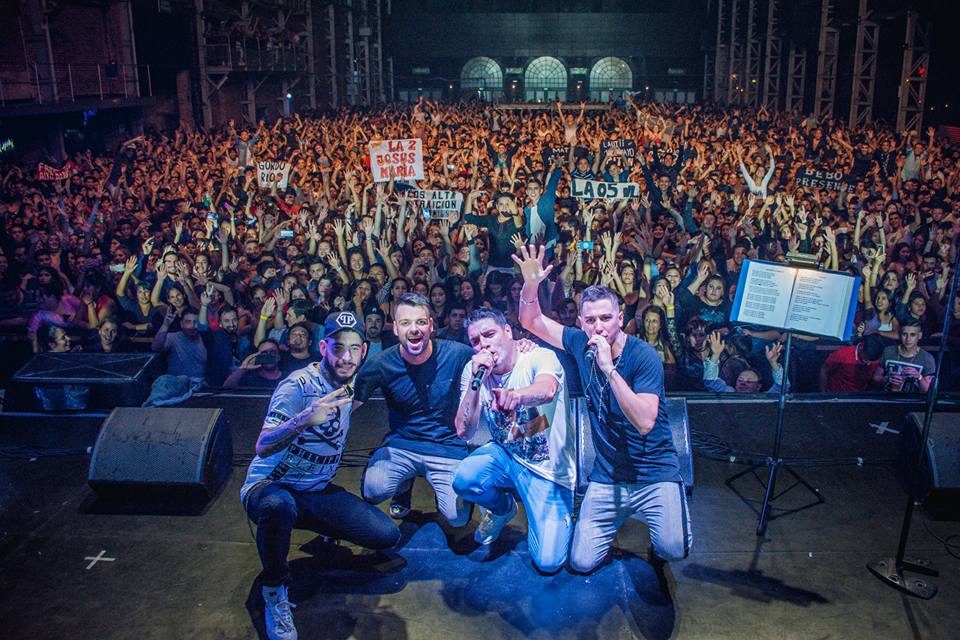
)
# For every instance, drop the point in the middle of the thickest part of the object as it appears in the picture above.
(598, 351)
(483, 362)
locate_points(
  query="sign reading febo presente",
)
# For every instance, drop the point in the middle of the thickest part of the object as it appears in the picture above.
(272, 174)
(830, 180)
(598, 190)
(437, 203)
(399, 159)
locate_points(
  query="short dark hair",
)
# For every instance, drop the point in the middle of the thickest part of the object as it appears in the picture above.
(301, 307)
(597, 292)
(910, 322)
(413, 300)
(304, 326)
(483, 313)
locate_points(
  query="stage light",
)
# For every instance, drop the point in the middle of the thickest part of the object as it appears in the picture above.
(921, 71)
(289, 96)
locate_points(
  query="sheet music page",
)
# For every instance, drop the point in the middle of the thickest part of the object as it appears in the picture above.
(820, 302)
(766, 294)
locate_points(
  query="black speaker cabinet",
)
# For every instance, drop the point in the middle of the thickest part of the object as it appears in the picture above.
(939, 477)
(161, 453)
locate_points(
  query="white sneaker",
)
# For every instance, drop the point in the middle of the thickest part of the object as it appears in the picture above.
(491, 525)
(279, 618)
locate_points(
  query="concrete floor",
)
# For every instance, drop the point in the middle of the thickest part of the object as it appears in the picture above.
(194, 576)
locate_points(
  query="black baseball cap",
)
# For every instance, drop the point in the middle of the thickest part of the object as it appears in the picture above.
(342, 321)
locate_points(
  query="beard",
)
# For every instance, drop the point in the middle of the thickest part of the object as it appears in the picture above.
(333, 376)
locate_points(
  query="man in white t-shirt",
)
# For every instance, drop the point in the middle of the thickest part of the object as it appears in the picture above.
(521, 402)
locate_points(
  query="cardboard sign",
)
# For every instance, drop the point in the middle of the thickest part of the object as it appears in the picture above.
(48, 173)
(627, 148)
(549, 153)
(599, 190)
(399, 159)
(818, 179)
(273, 173)
(438, 204)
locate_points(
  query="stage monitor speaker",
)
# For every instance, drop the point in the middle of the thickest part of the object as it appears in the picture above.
(679, 428)
(939, 478)
(161, 453)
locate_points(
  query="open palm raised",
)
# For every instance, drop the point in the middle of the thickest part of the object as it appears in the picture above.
(531, 263)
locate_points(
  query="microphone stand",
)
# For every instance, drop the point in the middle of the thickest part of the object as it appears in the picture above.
(891, 570)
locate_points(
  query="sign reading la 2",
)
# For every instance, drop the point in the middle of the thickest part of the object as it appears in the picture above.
(598, 190)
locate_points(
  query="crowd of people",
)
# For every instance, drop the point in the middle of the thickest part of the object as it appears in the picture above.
(171, 244)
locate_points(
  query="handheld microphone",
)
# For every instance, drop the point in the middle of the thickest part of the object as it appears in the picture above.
(591, 354)
(478, 377)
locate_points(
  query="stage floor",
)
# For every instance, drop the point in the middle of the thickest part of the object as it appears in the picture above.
(194, 576)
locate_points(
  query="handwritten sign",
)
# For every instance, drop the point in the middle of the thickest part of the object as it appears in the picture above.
(625, 148)
(439, 204)
(399, 159)
(272, 174)
(598, 190)
(47, 173)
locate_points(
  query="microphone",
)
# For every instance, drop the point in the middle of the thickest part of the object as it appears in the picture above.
(591, 354)
(478, 377)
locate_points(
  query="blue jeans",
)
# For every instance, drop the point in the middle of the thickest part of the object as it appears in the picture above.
(662, 505)
(486, 475)
(332, 511)
(390, 468)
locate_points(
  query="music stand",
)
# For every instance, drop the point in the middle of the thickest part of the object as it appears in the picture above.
(773, 300)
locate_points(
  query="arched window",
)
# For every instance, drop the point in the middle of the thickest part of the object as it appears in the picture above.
(545, 80)
(609, 78)
(483, 77)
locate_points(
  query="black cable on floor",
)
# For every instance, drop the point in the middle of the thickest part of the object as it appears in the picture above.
(952, 548)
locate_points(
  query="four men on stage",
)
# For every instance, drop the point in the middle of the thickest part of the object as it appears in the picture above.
(442, 395)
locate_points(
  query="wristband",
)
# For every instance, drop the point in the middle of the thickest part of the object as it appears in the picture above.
(671, 307)
(522, 301)
(264, 317)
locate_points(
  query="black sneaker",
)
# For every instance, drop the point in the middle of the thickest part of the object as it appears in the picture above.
(400, 504)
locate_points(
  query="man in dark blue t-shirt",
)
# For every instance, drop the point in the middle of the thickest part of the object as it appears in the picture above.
(420, 379)
(636, 470)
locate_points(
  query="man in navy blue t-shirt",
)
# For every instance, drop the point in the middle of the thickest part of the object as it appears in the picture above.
(636, 470)
(420, 379)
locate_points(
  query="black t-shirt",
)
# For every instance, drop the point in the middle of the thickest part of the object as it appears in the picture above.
(422, 399)
(499, 234)
(624, 456)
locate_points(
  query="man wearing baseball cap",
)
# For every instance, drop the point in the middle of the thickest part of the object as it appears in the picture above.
(289, 483)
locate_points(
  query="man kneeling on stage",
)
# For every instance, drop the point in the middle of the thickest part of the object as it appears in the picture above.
(520, 398)
(288, 483)
(636, 470)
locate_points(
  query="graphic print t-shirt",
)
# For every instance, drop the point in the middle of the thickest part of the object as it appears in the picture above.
(311, 460)
(540, 438)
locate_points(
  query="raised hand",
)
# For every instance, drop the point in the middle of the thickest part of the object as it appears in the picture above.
(323, 409)
(269, 308)
(772, 352)
(715, 340)
(206, 296)
(911, 280)
(531, 264)
(130, 265)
